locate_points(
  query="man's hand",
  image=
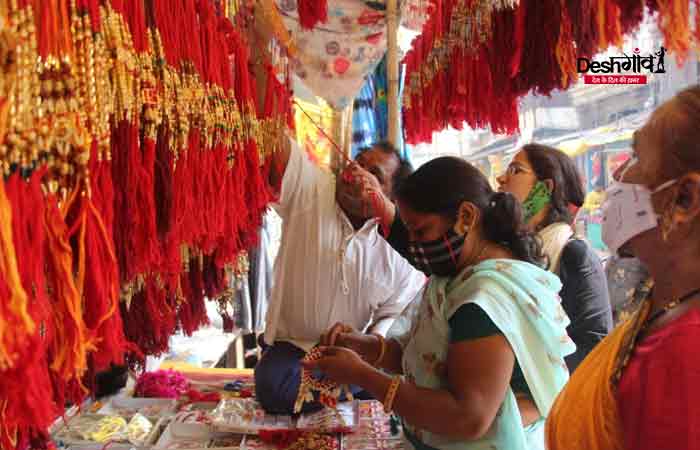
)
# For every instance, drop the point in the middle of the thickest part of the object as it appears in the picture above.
(363, 194)
(341, 335)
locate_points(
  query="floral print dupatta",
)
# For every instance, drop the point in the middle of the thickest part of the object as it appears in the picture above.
(522, 300)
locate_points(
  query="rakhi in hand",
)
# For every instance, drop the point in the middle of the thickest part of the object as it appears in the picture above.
(328, 391)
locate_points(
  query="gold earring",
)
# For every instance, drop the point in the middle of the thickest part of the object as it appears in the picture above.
(667, 224)
(461, 228)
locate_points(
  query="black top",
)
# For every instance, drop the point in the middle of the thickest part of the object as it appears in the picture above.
(471, 322)
(585, 299)
(398, 237)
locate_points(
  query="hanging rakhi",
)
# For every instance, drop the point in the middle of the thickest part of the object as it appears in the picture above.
(328, 391)
(26, 386)
(99, 280)
(674, 25)
(565, 50)
(192, 311)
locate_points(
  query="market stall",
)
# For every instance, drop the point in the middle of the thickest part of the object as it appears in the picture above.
(184, 407)
(135, 161)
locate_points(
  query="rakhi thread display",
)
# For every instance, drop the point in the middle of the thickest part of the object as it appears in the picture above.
(135, 166)
(476, 58)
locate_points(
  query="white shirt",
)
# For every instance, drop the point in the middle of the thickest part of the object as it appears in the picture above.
(326, 272)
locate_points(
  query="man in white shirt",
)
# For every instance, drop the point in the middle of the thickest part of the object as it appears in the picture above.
(333, 266)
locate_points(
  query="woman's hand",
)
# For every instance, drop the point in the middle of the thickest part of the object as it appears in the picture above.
(341, 365)
(330, 337)
(341, 335)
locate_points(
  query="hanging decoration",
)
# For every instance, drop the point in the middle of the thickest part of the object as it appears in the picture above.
(476, 58)
(135, 164)
(312, 12)
(333, 58)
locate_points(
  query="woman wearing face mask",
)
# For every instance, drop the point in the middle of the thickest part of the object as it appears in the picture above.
(638, 389)
(547, 183)
(482, 354)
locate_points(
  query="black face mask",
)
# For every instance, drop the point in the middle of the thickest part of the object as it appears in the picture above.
(438, 257)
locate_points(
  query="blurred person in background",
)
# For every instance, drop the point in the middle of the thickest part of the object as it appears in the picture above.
(547, 183)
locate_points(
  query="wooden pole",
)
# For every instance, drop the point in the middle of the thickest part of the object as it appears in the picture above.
(392, 70)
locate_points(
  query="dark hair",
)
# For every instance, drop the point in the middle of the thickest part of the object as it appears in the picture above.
(405, 168)
(441, 185)
(552, 164)
(680, 133)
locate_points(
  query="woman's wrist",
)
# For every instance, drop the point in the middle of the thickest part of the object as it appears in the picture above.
(371, 348)
(362, 374)
(379, 349)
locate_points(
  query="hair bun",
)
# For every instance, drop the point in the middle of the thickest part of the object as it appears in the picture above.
(504, 223)
(503, 218)
(498, 197)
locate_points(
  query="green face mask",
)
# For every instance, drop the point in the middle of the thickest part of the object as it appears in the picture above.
(536, 200)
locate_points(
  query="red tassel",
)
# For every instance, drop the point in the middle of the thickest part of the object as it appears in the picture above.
(312, 12)
(147, 205)
(585, 30)
(135, 16)
(539, 69)
(192, 313)
(73, 341)
(697, 23)
(149, 321)
(632, 16)
(26, 391)
(101, 289)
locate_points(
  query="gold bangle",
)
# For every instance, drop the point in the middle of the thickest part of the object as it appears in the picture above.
(382, 349)
(391, 393)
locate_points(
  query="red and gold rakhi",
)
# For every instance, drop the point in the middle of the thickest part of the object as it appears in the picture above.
(328, 391)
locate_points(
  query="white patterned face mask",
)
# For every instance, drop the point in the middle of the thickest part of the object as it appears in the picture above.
(628, 211)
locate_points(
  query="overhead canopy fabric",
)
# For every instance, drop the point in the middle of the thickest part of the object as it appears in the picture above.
(333, 59)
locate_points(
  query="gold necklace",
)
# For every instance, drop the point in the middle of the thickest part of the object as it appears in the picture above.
(641, 326)
(667, 307)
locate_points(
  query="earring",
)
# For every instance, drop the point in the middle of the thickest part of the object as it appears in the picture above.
(461, 228)
(667, 226)
(667, 223)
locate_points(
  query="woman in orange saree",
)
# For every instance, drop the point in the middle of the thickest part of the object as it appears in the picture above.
(640, 388)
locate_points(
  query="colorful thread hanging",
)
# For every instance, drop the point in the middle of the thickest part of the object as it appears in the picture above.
(459, 43)
(138, 151)
(312, 12)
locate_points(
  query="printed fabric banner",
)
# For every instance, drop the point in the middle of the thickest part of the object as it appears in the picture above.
(334, 58)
